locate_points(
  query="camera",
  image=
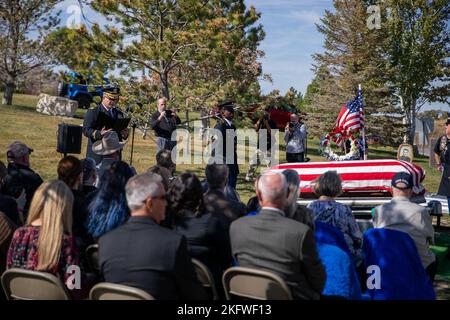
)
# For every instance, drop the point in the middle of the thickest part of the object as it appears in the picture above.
(291, 124)
(169, 114)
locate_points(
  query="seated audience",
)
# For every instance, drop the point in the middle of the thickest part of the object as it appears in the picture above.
(20, 175)
(89, 176)
(108, 205)
(293, 209)
(163, 172)
(70, 170)
(215, 199)
(8, 204)
(327, 187)
(142, 254)
(7, 228)
(109, 148)
(45, 243)
(164, 160)
(207, 238)
(271, 241)
(403, 215)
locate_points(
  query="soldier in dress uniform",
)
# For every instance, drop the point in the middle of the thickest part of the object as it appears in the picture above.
(92, 130)
(227, 128)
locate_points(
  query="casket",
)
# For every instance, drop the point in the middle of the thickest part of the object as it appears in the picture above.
(359, 178)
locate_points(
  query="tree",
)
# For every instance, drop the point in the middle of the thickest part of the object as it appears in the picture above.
(23, 27)
(418, 49)
(161, 38)
(353, 55)
(70, 48)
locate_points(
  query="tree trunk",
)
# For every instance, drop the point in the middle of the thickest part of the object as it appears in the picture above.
(412, 129)
(165, 85)
(8, 94)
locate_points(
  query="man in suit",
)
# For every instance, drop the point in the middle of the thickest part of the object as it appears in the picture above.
(215, 199)
(228, 132)
(273, 242)
(93, 130)
(143, 254)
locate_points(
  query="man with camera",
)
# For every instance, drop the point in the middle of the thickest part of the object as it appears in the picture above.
(164, 122)
(295, 136)
(263, 151)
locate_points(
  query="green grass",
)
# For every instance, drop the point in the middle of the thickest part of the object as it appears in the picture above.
(22, 122)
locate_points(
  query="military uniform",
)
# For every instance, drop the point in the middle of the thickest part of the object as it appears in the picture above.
(92, 130)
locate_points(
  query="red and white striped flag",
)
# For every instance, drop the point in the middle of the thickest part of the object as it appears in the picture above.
(357, 176)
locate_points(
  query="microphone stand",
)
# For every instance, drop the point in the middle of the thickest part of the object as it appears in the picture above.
(133, 129)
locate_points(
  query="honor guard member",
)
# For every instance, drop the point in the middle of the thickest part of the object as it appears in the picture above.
(226, 126)
(442, 157)
(92, 130)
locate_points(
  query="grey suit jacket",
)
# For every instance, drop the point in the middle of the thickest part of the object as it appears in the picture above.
(403, 215)
(272, 242)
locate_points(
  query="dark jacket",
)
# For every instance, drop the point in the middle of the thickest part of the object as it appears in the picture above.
(208, 241)
(21, 177)
(92, 130)
(218, 205)
(8, 206)
(165, 127)
(227, 134)
(80, 214)
(144, 255)
(272, 242)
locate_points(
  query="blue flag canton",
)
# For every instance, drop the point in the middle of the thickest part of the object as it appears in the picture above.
(356, 104)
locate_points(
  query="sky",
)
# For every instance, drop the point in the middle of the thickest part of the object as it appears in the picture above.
(291, 39)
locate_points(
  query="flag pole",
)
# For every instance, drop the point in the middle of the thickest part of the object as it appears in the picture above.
(363, 131)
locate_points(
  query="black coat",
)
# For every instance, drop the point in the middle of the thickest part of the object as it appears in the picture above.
(92, 130)
(208, 241)
(217, 204)
(142, 254)
(8, 206)
(21, 177)
(226, 131)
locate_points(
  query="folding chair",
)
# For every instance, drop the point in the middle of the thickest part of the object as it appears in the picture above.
(254, 284)
(112, 291)
(206, 278)
(92, 257)
(21, 284)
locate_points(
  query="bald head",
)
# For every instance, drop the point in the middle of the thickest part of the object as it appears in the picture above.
(272, 190)
(294, 118)
(162, 103)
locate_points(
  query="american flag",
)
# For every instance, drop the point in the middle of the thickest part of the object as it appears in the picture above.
(370, 176)
(351, 118)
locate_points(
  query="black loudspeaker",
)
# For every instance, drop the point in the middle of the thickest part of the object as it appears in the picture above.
(69, 138)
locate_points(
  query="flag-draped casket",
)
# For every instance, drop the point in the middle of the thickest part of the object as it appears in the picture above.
(358, 177)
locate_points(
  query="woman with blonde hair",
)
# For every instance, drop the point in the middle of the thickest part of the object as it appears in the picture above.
(45, 243)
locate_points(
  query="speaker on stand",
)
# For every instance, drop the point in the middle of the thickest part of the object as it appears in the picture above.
(69, 138)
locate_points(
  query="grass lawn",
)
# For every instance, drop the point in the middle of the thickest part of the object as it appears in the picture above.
(22, 122)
